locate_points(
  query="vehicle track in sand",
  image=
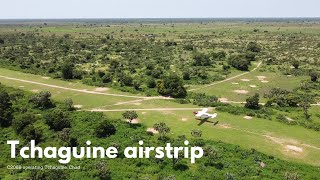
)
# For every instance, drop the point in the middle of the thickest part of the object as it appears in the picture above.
(81, 90)
(228, 79)
(147, 109)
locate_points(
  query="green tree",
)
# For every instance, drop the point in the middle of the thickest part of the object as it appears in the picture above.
(103, 172)
(31, 133)
(200, 59)
(107, 78)
(196, 133)
(105, 129)
(291, 176)
(48, 175)
(68, 103)
(252, 102)
(211, 154)
(239, 62)
(130, 115)
(67, 71)
(314, 75)
(162, 128)
(295, 63)
(305, 105)
(151, 83)
(125, 79)
(21, 121)
(5, 109)
(57, 120)
(172, 85)
(42, 100)
(186, 75)
(253, 47)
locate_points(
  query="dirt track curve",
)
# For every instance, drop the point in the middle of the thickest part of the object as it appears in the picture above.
(228, 79)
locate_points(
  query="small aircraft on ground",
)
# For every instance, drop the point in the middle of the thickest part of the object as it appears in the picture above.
(203, 116)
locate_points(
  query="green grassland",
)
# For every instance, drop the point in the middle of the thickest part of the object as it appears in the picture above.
(252, 84)
(264, 135)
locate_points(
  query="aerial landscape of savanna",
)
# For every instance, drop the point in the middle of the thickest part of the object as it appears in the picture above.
(245, 90)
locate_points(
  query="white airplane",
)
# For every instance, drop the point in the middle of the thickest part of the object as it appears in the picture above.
(204, 116)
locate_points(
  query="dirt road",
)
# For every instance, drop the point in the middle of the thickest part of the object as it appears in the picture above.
(79, 90)
(228, 79)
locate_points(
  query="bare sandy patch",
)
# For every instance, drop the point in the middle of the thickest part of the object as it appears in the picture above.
(248, 117)
(289, 119)
(294, 148)
(223, 99)
(137, 104)
(144, 113)
(225, 126)
(261, 77)
(152, 130)
(234, 83)
(35, 90)
(45, 77)
(77, 106)
(96, 110)
(253, 86)
(100, 89)
(134, 121)
(245, 80)
(264, 81)
(21, 86)
(241, 91)
(184, 119)
(281, 140)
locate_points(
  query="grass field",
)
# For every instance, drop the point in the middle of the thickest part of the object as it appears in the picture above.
(253, 82)
(269, 137)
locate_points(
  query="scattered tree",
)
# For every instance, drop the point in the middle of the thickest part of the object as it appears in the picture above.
(172, 85)
(68, 103)
(295, 63)
(196, 133)
(130, 115)
(5, 109)
(57, 120)
(42, 100)
(305, 105)
(253, 47)
(105, 129)
(162, 128)
(239, 62)
(67, 71)
(23, 120)
(252, 102)
(31, 133)
(314, 76)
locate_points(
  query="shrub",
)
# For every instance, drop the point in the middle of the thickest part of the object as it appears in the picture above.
(42, 100)
(252, 102)
(5, 109)
(105, 129)
(58, 120)
(22, 120)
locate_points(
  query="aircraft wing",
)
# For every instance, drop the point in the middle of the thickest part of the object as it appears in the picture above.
(199, 114)
(210, 115)
(204, 110)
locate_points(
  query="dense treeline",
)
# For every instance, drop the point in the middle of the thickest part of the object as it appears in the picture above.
(26, 116)
(135, 65)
